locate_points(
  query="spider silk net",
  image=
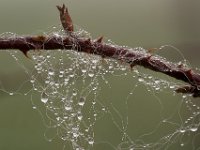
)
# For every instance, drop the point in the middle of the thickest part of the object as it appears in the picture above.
(94, 103)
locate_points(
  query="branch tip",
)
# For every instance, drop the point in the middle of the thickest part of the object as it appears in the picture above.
(65, 19)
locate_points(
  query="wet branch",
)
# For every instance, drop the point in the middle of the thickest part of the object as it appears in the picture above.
(98, 47)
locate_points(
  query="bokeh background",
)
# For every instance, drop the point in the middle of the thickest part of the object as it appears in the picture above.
(127, 22)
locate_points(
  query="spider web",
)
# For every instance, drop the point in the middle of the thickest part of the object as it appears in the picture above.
(94, 103)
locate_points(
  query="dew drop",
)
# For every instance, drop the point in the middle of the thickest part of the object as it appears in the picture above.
(83, 70)
(182, 130)
(47, 81)
(11, 94)
(104, 109)
(71, 75)
(60, 75)
(68, 108)
(51, 72)
(184, 96)
(140, 79)
(91, 142)
(123, 68)
(74, 93)
(194, 129)
(75, 135)
(62, 71)
(81, 101)
(91, 75)
(157, 81)
(157, 88)
(110, 67)
(32, 81)
(44, 98)
(80, 117)
(58, 118)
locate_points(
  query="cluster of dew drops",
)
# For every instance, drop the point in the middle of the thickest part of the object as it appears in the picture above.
(68, 81)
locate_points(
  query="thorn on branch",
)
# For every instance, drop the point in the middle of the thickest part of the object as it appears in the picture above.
(99, 39)
(188, 89)
(25, 52)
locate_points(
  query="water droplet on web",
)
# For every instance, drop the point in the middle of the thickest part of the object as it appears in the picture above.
(60, 75)
(44, 98)
(11, 93)
(123, 68)
(84, 70)
(68, 108)
(79, 117)
(184, 96)
(157, 88)
(157, 81)
(90, 74)
(32, 81)
(182, 144)
(91, 141)
(34, 107)
(81, 101)
(193, 129)
(51, 72)
(71, 75)
(140, 79)
(182, 130)
(110, 67)
(75, 135)
(47, 81)
(62, 71)
(103, 109)
(58, 118)
(94, 67)
(74, 93)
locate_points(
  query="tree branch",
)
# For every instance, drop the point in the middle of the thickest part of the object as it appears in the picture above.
(98, 47)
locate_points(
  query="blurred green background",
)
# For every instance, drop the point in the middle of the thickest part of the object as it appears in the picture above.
(129, 22)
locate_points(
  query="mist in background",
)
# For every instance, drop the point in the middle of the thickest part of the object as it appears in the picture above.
(133, 23)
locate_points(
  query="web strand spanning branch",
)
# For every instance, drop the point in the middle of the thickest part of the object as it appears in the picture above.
(131, 57)
(98, 47)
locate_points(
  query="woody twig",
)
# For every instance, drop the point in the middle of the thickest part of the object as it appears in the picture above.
(98, 47)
